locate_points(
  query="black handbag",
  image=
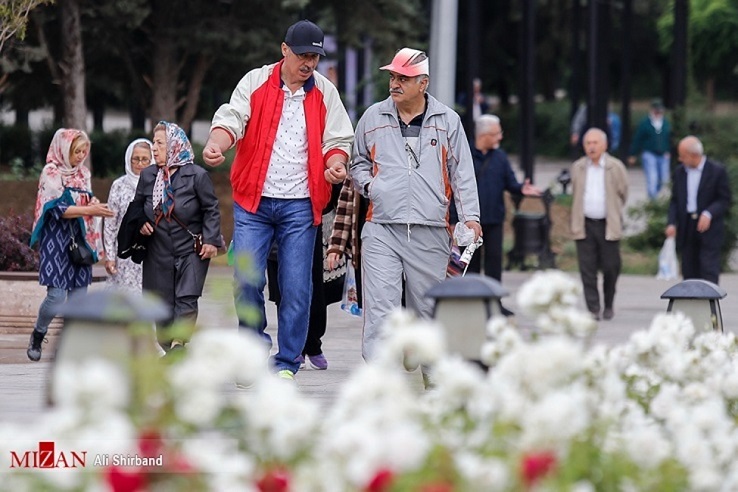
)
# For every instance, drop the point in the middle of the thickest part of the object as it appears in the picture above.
(80, 253)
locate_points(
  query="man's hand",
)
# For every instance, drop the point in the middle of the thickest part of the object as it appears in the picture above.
(703, 223)
(335, 173)
(212, 154)
(530, 190)
(474, 225)
(110, 267)
(670, 230)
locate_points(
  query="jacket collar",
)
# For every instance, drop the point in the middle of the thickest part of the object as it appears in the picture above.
(434, 108)
(276, 78)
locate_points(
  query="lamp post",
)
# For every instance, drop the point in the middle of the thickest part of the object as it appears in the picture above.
(463, 306)
(699, 300)
(100, 325)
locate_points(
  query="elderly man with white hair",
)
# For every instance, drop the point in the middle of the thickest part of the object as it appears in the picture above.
(700, 198)
(494, 176)
(599, 191)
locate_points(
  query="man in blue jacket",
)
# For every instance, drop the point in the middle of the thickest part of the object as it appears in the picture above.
(494, 175)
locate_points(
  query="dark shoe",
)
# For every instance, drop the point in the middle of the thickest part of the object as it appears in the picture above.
(34, 345)
(595, 315)
(318, 362)
(608, 313)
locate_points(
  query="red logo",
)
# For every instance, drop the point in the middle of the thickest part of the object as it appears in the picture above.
(47, 457)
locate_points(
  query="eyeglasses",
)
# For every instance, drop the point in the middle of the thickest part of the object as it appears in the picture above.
(142, 160)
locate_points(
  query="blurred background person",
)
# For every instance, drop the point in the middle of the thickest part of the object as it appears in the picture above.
(652, 141)
(125, 273)
(700, 199)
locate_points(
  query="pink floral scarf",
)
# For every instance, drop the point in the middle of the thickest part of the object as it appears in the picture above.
(179, 153)
(59, 174)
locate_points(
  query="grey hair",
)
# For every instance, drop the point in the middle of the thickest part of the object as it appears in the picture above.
(484, 123)
(695, 146)
(599, 131)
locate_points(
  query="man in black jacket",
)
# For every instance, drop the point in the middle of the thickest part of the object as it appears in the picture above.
(700, 198)
(494, 176)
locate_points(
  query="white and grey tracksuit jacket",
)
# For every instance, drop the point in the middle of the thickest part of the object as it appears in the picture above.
(406, 229)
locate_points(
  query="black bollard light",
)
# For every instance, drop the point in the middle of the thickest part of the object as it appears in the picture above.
(699, 300)
(463, 307)
(101, 325)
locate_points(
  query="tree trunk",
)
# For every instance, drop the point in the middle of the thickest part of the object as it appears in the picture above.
(710, 92)
(193, 92)
(72, 66)
(164, 84)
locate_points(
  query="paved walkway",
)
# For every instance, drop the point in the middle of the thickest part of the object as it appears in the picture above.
(638, 300)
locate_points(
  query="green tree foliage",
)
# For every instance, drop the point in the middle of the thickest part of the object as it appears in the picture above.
(14, 18)
(713, 43)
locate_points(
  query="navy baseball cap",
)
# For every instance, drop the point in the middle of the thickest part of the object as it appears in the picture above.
(305, 37)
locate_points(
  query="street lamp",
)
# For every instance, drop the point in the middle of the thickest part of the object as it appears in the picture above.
(100, 325)
(699, 300)
(463, 306)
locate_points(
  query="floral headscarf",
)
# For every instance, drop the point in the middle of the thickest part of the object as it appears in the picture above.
(59, 174)
(131, 177)
(179, 153)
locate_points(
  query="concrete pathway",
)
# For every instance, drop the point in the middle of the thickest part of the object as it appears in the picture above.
(22, 385)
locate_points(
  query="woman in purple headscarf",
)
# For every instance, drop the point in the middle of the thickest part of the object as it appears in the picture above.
(178, 201)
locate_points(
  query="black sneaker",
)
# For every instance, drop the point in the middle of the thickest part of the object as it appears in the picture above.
(34, 345)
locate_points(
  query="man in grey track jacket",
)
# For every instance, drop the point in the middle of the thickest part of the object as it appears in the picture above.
(410, 157)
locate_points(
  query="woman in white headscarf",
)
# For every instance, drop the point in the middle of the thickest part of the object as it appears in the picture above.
(125, 273)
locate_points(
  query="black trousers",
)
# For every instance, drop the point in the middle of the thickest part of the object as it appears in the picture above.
(700, 258)
(318, 305)
(491, 252)
(595, 254)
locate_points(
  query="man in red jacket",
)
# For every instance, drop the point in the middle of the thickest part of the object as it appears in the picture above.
(293, 138)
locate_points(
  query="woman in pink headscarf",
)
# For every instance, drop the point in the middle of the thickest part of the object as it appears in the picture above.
(66, 209)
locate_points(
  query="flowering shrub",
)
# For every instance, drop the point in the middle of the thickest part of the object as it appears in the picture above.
(659, 412)
(15, 253)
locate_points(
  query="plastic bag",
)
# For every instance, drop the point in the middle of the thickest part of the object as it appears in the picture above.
(350, 299)
(668, 264)
(463, 235)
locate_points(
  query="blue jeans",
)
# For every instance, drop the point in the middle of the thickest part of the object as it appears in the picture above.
(55, 297)
(656, 168)
(288, 222)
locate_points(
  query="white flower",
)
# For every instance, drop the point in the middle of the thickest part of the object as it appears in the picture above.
(489, 474)
(198, 407)
(219, 356)
(556, 419)
(542, 367)
(93, 384)
(410, 341)
(546, 289)
(646, 445)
